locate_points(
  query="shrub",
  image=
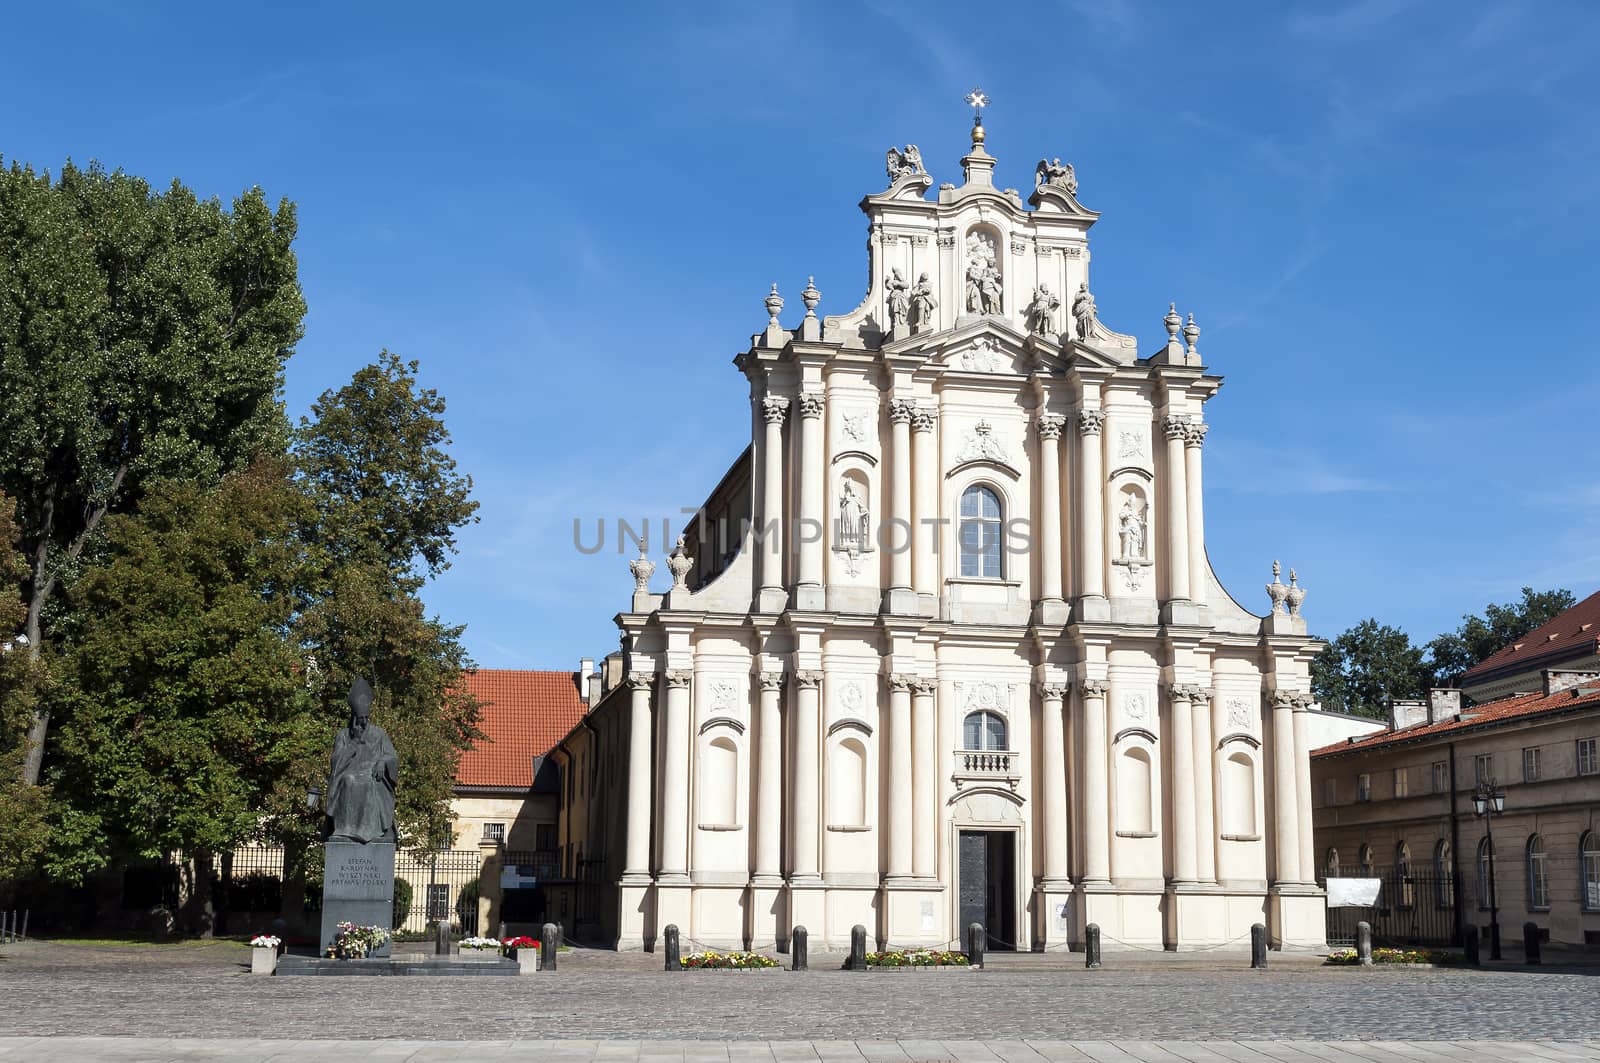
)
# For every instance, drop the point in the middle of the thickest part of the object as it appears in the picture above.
(402, 902)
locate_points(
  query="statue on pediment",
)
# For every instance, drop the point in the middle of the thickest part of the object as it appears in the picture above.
(906, 163)
(1053, 173)
(1041, 312)
(899, 302)
(922, 303)
(1083, 312)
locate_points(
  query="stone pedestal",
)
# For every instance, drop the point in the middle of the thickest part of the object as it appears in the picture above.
(357, 887)
(913, 914)
(1299, 915)
(1053, 919)
(636, 924)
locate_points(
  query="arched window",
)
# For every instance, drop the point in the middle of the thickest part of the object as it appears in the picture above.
(984, 730)
(1589, 868)
(980, 532)
(1133, 792)
(1485, 877)
(1239, 797)
(1538, 875)
(718, 785)
(847, 784)
(1402, 875)
(1444, 875)
(1330, 863)
(1364, 858)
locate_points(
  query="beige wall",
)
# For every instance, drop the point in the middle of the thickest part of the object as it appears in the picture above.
(1560, 808)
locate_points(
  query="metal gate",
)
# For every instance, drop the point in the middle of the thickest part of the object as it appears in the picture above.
(1413, 908)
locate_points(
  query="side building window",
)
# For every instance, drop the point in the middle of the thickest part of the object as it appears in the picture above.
(1588, 762)
(1485, 861)
(1589, 864)
(981, 521)
(1444, 874)
(1538, 875)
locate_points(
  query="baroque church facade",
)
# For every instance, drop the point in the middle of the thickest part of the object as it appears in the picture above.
(944, 645)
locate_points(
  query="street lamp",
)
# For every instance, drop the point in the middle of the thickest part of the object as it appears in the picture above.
(1487, 803)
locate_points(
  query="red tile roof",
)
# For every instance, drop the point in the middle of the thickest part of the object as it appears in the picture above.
(524, 715)
(1575, 632)
(1505, 710)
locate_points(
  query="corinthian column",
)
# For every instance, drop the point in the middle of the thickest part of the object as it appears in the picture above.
(1285, 799)
(675, 769)
(809, 527)
(803, 790)
(1204, 770)
(1091, 508)
(926, 501)
(1183, 791)
(640, 777)
(1049, 425)
(770, 526)
(1096, 806)
(900, 819)
(924, 795)
(1054, 779)
(1194, 437)
(1177, 513)
(898, 540)
(769, 779)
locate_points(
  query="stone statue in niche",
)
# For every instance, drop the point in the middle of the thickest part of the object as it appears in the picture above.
(983, 276)
(1041, 312)
(1083, 312)
(854, 518)
(906, 163)
(1055, 174)
(1133, 527)
(922, 303)
(899, 304)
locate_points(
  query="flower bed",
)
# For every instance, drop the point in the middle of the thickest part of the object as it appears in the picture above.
(916, 958)
(729, 961)
(1348, 957)
(357, 942)
(478, 944)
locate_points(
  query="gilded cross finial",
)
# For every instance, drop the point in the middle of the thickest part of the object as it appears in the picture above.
(978, 101)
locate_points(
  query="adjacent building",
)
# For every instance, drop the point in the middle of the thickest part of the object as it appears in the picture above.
(944, 645)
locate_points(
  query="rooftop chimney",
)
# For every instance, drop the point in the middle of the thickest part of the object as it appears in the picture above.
(1443, 703)
(585, 678)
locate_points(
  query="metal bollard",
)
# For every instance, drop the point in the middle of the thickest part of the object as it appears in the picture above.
(1364, 944)
(1530, 943)
(797, 949)
(976, 937)
(441, 938)
(858, 949)
(1258, 947)
(1091, 947)
(674, 956)
(549, 942)
(1471, 945)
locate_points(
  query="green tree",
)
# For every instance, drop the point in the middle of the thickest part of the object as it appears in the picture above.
(186, 692)
(23, 823)
(1479, 637)
(1365, 666)
(142, 335)
(385, 503)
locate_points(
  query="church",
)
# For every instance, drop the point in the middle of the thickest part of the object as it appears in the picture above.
(944, 646)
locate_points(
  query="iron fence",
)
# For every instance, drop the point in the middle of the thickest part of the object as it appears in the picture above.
(1414, 908)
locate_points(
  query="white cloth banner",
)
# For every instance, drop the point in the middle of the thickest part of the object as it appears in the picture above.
(1353, 892)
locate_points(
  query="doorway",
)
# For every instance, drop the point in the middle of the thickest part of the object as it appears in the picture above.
(987, 885)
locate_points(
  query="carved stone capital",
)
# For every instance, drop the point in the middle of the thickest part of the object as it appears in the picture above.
(923, 418)
(810, 404)
(1302, 701)
(1091, 421)
(1175, 425)
(679, 677)
(1054, 691)
(901, 681)
(1184, 692)
(923, 687)
(1283, 699)
(1194, 433)
(1050, 425)
(1092, 688)
(641, 680)
(775, 408)
(771, 681)
(806, 680)
(1206, 694)
(901, 410)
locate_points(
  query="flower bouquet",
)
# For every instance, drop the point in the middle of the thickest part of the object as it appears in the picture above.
(266, 941)
(354, 942)
(528, 962)
(729, 961)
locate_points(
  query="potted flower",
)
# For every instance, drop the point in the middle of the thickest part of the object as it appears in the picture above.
(264, 953)
(480, 950)
(354, 942)
(524, 950)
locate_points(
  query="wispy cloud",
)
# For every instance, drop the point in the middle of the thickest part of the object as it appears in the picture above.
(1348, 20)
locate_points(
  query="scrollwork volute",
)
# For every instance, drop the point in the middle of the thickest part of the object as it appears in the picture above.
(1092, 688)
(641, 680)
(807, 679)
(774, 409)
(1091, 421)
(1049, 425)
(1054, 691)
(811, 405)
(771, 681)
(901, 410)
(1194, 434)
(1175, 425)
(679, 678)
(901, 681)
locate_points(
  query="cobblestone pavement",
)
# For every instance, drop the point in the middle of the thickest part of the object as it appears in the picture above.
(130, 1050)
(205, 992)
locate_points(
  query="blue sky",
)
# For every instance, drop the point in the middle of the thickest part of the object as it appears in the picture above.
(1383, 214)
